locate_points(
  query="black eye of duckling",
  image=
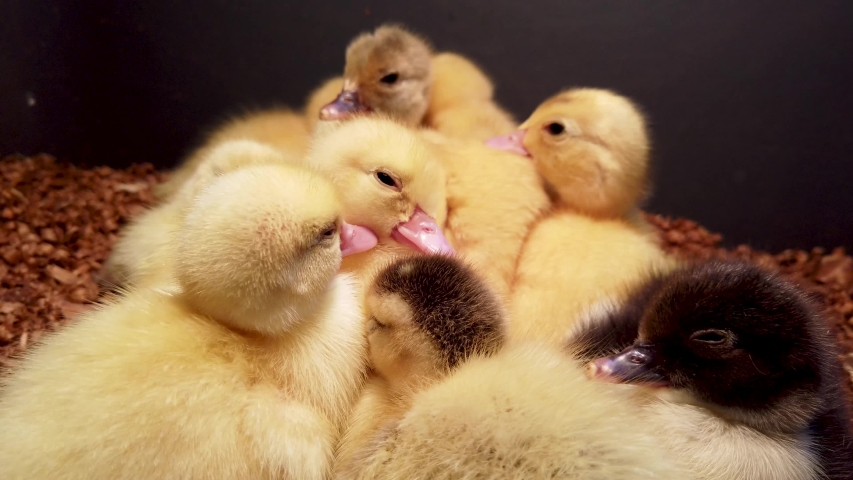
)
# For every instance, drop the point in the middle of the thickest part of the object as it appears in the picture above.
(388, 180)
(326, 234)
(711, 337)
(390, 79)
(555, 128)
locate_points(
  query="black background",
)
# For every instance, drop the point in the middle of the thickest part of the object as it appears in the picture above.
(751, 102)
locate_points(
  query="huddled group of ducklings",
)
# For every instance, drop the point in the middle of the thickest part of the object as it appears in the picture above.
(399, 282)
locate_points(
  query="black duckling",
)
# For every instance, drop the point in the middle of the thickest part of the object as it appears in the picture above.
(746, 346)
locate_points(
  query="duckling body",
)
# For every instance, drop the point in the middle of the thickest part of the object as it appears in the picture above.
(591, 149)
(570, 262)
(280, 128)
(526, 412)
(745, 379)
(462, 104)
(248, 371)
(487, 221)
(427, 316)
(144, 254)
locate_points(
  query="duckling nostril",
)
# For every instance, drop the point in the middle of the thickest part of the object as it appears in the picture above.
(637, 358)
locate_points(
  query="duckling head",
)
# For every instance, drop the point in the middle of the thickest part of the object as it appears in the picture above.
(387, 179)
(260, 246)
(590, 146)
(740, 340)
(428, 314)
(388, 71)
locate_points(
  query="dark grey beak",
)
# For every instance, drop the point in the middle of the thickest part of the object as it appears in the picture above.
(634, 365)
(347, 103)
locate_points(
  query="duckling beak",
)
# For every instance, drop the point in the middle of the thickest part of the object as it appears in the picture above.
(513, 143)
(634, 365)
(347, 103)
(356, 239)
(423, 234)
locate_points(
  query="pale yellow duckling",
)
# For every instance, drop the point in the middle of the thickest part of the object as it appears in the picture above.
(389, 182)
(247, 371)
(591, 148)
(526, 412)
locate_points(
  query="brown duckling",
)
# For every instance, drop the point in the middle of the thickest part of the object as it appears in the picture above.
(394, 71)
(427, 315)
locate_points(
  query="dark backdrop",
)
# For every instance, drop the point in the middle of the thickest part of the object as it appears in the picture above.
(750, 101)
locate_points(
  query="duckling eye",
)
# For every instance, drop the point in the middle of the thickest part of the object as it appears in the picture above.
(710, 337)
(328, 233)
(388, 180)
(555, 128)
(390, 79)
(376, 324)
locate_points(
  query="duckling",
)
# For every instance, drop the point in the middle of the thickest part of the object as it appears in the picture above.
(389, 182)
(138, 254)
(427, 315)
(526, 412)
(143, 254)
(394, 71)
(746, 368)
(591, 148)
(248, 371)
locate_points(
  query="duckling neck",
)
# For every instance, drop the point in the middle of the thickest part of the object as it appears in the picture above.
(791, 414)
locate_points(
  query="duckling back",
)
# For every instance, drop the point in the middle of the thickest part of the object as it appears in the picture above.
(527, 412)
(569, 263)
(493, 200)
(461, 103)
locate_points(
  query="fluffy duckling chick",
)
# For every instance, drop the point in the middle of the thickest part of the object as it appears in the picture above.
(394, 71)
(388, 70)
(526, 412)
(143, 255)
(591, 148)
(748, 371)
(280, 128)
(427, 315)
(248, 372)
(388, 181)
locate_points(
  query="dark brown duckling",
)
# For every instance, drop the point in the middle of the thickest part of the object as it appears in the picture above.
(428, 314)
(749, 348)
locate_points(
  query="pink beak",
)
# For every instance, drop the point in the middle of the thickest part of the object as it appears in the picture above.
(512, 143)
(356, 239)
(346, 104)
(422, 233)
